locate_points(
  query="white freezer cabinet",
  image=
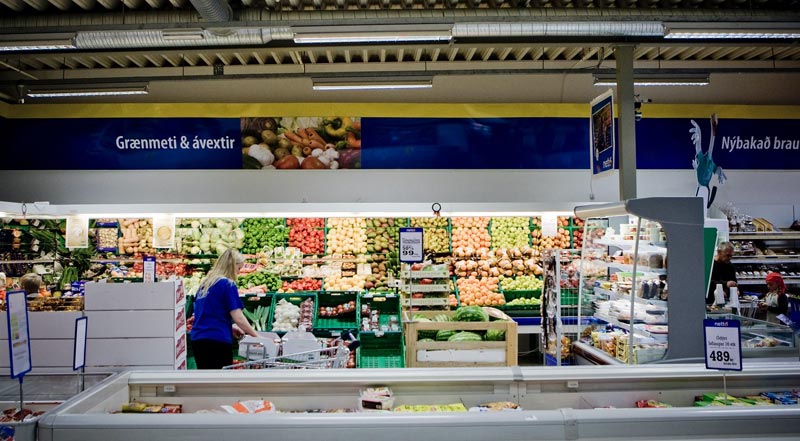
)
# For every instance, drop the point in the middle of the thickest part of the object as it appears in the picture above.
(575, 402)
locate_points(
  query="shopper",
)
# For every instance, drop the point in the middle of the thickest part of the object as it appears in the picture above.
(722, 272)
(776, 301)
(218, 314)
(31, 283)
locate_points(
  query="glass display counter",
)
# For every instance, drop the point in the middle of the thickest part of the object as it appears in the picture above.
(573, 402)
(642, 264)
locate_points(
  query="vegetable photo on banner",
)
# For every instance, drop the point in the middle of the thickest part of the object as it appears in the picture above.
(307, 143)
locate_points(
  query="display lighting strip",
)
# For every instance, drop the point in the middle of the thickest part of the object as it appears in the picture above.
(611, 81)
(383, 34)
(377, 84)
(87, 91)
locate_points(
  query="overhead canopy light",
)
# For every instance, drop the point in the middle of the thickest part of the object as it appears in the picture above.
(610, 80)
(33, 42)
(182, 34)
(371, 34)
(730, 31)
(377, 83)
(87, 90)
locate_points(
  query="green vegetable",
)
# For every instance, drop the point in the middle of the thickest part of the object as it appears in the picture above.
(260, 233)
(465, 336)
(271, 281)
(441, 318)
(470, 314)
(495, 335)
(444, 334)
(426, 340)
(250, 162)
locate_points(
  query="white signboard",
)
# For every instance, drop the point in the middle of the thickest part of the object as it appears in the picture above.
(77, 232)
(723, 344)
(79, 352)
(19, 343)
(411, 245)
(163, 231)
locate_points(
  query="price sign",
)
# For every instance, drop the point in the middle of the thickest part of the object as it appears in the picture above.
(79, 348)
(149, 263)
(411, 245)
(19, 344)
(723, 344)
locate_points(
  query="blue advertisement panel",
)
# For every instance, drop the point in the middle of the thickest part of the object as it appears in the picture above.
(475, 143)
(743, 144)
(123, 144)
(710, 146)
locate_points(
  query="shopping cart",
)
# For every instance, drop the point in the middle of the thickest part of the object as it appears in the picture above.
(333, 357)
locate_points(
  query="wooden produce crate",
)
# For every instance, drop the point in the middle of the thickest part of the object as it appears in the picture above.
(458, 354)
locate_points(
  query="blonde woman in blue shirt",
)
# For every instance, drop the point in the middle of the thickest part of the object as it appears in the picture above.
(218, 316)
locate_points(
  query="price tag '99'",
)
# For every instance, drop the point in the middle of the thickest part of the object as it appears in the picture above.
(723, 344)
(411, 245)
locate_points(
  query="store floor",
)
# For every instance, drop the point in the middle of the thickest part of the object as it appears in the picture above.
(45, 387)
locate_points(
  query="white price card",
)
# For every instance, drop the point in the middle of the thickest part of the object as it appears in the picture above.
(723, 344)
(19, 343)
(411, 245)
(549, 225)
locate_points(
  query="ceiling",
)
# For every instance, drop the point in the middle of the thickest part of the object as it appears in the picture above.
(500, 51)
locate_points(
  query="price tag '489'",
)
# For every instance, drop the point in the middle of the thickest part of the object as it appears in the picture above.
(723, 344)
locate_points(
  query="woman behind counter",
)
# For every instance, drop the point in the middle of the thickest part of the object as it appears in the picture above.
(218, 314)
(776, 301)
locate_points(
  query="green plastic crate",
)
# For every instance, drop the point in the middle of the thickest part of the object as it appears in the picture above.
(387, 304)
(345, 321)
(296, 299)
(251, 302)
(384, 351)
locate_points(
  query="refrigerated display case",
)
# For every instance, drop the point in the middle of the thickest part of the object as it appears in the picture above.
(643, 267)
(574, 402)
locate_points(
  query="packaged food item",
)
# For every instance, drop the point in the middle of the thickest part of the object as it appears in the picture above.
(250, 406)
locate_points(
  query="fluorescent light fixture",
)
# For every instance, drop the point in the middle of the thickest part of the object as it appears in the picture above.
(374, 34)
(182, 34)
(87, 90)
(610, 80)
(731, 31)
(372, 83)
(36, 42)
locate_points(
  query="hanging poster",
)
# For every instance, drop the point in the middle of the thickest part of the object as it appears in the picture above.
(601, 133)
(77, 232)
(163, 231)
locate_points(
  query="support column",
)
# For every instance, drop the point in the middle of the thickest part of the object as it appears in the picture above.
(626, 122)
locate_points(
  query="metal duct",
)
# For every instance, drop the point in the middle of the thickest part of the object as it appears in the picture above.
(213, 10)
(560, 29)
(155, 38)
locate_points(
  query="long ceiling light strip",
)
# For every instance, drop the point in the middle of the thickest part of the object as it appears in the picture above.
(730, 35)
(84, 91)
(367, 84)
(656, 80)
(33, 42)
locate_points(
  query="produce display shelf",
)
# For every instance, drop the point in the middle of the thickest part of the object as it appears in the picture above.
(381, 350)
(295, 299)
(425, 274)
(432, 288)
(348, 320)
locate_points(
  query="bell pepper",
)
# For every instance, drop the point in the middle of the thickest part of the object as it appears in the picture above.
(337, 127)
